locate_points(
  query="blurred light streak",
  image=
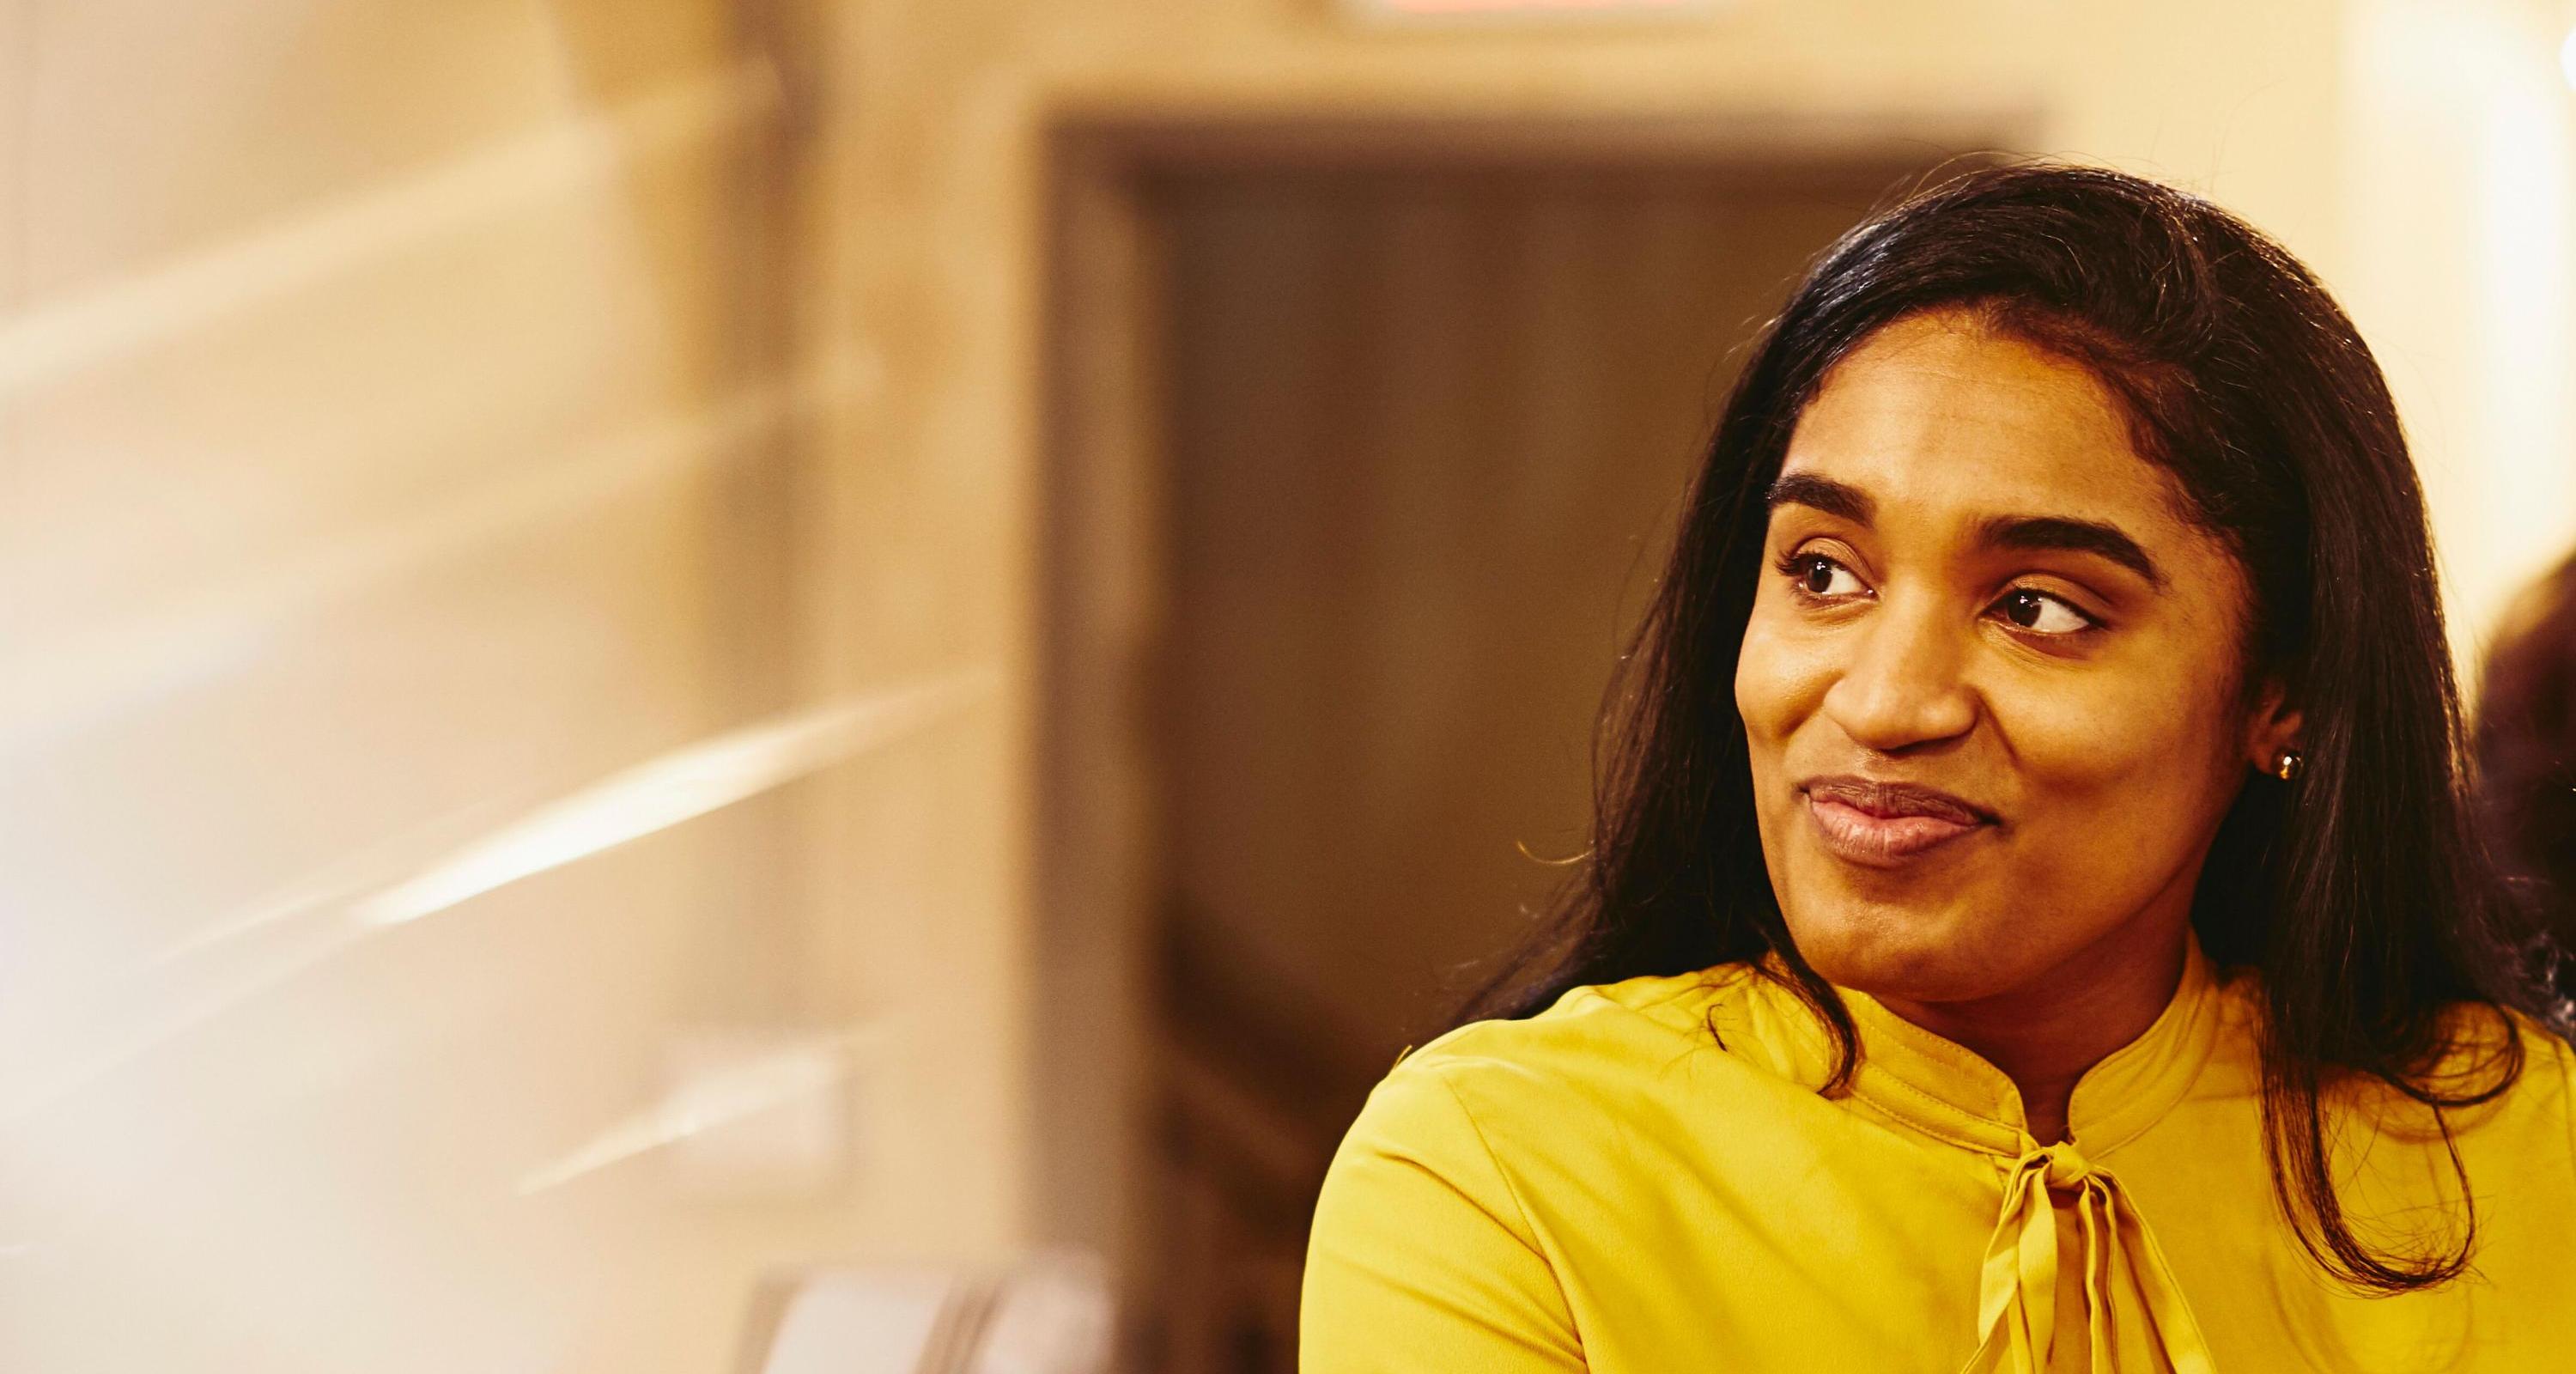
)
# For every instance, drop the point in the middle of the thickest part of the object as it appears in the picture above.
(141, 310)
(703, 1104)
(47, 690)
(159, 983)
(333, 886)
(40, 1086)
(669, 790)
(640, 801)
(2567, 59)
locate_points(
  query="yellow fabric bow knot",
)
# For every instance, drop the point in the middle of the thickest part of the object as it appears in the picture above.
(2126, 1281)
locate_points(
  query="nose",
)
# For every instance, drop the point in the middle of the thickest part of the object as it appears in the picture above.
(1905, 684)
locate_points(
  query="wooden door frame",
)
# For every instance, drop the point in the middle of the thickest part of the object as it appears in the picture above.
(1103, 546)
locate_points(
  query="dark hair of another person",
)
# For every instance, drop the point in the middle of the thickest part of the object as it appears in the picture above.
(2359, 893)
(2526, 743)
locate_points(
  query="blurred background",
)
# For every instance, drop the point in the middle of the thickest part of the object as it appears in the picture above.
(660, 656)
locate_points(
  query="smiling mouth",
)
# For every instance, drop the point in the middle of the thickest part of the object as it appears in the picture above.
(1884, 824)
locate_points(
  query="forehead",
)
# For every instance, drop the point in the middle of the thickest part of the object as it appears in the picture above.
(1938, 414)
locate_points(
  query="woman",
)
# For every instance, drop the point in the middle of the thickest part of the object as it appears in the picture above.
(2032, 922)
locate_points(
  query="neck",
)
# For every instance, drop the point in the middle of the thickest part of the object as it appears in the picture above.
(2044, 1035)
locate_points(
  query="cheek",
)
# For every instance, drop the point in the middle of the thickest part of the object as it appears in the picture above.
(1780, 679)
(2125, 755)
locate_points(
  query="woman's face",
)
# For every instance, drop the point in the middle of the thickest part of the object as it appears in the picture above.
(1991, 681)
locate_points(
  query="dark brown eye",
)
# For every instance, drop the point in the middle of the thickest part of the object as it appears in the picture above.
(1820, 577)
(2041, 612)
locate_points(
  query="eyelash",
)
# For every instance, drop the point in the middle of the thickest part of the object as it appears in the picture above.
(1794, 566)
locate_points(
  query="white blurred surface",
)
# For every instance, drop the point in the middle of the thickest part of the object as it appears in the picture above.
(1046, 1315)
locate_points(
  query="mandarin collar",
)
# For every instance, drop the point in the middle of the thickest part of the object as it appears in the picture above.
(1951, 1093)
(1943, 1089)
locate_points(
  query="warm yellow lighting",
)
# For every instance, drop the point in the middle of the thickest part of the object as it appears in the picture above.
(1435, 10)
(675, 787)
(44, 1064)
(58, 338)
(1469, 6)
(707, 1102)
(48, 689)
(2567, 58)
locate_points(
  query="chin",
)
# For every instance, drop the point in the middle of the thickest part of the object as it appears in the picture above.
(1894, 952)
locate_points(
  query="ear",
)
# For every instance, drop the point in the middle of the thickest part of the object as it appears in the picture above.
(2271, 727)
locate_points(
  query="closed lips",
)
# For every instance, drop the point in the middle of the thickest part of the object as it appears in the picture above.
(1888, 799)
(1882, 824)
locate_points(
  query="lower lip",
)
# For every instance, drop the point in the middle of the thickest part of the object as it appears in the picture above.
(1881, 841)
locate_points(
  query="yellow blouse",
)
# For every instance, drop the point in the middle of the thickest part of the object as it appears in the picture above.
(1604, 1187)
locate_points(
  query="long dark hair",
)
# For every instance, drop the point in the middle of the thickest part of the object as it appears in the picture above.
(2360, 895)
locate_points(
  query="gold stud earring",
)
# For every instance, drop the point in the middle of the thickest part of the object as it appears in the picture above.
(2288, 767)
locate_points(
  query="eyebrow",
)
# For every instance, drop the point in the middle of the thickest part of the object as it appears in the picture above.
(2075, 536)
(2025, 532)
(1824, 494)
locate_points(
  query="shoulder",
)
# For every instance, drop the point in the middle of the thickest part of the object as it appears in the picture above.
(1606, 1031)
(2514, 1131)
(1603, 1059)
(2509, 1080)
(2479, 1048)
(2548, 1091)
(2505, 1057)
(2543, 1089)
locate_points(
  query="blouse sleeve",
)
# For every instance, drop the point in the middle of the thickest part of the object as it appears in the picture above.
(1421, 1257)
